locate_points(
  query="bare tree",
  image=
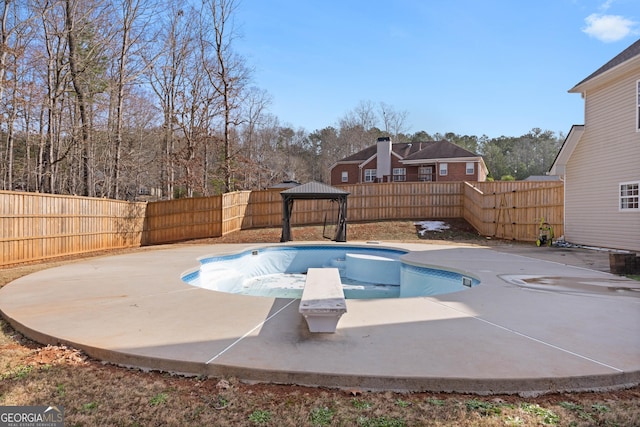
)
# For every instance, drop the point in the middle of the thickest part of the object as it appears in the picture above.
(53, 45)
(254, 112)
(87, 34)
(194, 121)
(167, 73)
(395, 122)
(356, 127)
(15, 35)
(128, 11)
(76, 118)
(71, 22)
(139, 168)
(7, 28)
(226, 71)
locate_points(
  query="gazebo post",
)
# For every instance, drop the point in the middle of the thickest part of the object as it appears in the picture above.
(287, 208)
(341, 229)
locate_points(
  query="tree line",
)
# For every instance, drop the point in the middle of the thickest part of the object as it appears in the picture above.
(122, 98)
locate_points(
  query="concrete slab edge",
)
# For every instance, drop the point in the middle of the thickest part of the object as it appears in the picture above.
(525, 387)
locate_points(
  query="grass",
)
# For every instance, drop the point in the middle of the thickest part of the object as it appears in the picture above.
(96, 394)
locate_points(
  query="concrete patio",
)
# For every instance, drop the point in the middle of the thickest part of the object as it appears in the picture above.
(533, 325)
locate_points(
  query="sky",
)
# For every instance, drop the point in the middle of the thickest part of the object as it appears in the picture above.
(472, 67)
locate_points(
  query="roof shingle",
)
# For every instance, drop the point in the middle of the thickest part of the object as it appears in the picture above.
(625, 55)
(415, 151)
(441, 150)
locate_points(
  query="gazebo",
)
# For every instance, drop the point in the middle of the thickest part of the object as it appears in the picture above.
(314, 191)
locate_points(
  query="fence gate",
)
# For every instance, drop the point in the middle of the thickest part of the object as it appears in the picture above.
(504, 216)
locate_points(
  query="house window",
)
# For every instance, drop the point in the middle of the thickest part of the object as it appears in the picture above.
(444, 169)
(369, 175)
(345, 176)
(425, 173)
(399, 174)
(470, 168)
(629, 196)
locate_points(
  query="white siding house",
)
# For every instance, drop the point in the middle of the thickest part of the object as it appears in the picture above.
(600, 160)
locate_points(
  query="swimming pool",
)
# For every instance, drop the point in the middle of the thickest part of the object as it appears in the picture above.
(366, 272)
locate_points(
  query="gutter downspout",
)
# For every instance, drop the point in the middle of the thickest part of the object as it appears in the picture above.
(563, 179)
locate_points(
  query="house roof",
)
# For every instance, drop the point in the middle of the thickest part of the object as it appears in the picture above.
(414, 151)
(286, 184)
(569, 144)
(627, 54)
(402, 150)
(440, 150)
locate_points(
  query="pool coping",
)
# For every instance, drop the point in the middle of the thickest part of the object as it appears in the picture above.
(498, 337)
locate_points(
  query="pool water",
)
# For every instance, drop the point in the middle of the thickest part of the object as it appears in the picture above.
(366, 272)
(283, 285)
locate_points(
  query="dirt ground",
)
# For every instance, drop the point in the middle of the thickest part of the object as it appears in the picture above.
(31, 373)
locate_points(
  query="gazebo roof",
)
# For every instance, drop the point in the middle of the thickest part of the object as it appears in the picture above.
(314, 190)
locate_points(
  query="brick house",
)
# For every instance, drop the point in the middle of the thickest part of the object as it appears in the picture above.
(386, 161)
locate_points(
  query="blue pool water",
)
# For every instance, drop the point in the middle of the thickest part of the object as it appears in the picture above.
(365, 272)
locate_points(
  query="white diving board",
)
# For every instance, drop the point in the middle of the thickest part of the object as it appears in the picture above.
(323, 303)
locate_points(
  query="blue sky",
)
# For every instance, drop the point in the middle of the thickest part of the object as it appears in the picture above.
(476, 67)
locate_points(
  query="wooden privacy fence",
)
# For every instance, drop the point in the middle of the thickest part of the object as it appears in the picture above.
(411, 200)
(195, 218)
(367, 202)
(514, 213)
(35, 227)
(40, 226)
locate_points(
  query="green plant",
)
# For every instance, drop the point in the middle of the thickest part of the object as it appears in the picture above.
(88, 407)
(436, 402)
(360, 404)
(485, 408)
(60, 389)
(574, 407)
(159, 399)
(21, 372)
(321, 416)
(403, 403)
(260, 417)
(583, 413)
(381, 422)
(221, 403)
(548, 416)
(571, 406)
(600, 408)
